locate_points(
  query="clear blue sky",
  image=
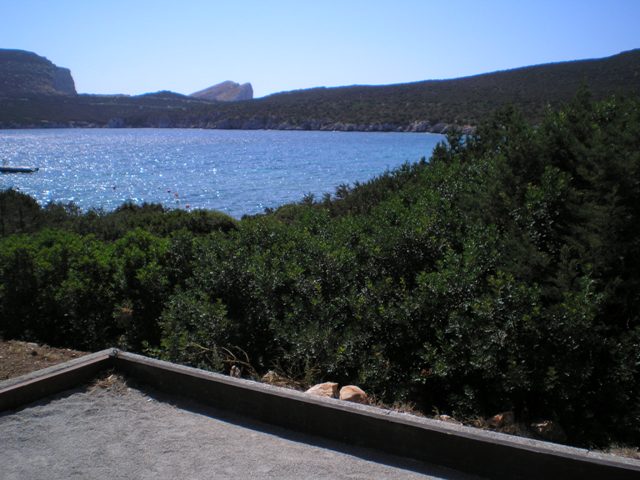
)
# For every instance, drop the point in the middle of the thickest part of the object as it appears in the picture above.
(114, 46)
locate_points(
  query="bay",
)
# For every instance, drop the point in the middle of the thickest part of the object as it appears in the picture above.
(234, 171)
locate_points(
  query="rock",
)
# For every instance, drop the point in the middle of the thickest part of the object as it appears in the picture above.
(25, 73)
(448, 419)
(273, 378)
(351, 393)
(419, 126)
(326, 389)
(116, 122)
(549, 430)
(63, 81)
(440, 128)
(501, 420)
(226, 92)
(253, 124)
(270, 377)
(468, 129)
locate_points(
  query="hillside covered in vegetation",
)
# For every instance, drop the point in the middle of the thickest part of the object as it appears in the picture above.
(432, 105)
(502, 274)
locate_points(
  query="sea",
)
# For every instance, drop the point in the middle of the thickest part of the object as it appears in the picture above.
(239, 172)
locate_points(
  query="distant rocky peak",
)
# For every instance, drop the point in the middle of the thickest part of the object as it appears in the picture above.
(25, 73)
(227, 91)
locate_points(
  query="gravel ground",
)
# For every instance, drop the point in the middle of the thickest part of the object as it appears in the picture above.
(111, 431)
(19, 358)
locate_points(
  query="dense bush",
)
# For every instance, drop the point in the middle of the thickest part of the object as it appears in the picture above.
(502, 274)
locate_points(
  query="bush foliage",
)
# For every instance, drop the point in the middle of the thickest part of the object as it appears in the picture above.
(502, 274)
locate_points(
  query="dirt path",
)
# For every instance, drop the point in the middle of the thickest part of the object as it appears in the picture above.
(18, 358)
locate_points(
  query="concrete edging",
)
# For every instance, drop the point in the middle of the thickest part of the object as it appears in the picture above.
(465, 449)
(461, 448)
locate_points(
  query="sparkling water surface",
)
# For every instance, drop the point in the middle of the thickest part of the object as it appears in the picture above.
(235, 171)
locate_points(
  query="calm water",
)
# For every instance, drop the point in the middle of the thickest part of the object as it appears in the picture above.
(235, 171)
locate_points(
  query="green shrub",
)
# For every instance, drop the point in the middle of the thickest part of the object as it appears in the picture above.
(502, 274)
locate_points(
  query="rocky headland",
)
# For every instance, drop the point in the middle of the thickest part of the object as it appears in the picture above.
(25, 73)
(227, 91)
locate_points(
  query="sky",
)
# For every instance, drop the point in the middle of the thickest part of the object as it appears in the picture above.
(134, 47)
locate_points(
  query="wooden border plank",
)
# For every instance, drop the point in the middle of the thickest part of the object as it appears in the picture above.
(20, 391)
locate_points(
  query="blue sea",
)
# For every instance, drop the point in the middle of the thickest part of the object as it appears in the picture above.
(235, 171)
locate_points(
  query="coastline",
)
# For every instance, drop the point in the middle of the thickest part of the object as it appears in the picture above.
(254, 124)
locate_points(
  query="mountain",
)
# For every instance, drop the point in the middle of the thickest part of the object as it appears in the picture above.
(426, 106)
(433, 104)
(25, 73)
(226, 92)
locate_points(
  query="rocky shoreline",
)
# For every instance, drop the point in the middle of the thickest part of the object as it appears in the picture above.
(252, 124)
(274, 124)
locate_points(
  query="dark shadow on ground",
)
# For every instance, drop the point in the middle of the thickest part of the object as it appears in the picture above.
(197, 408)
(312, 440)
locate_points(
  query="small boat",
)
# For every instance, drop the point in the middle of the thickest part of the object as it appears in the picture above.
(4, 168)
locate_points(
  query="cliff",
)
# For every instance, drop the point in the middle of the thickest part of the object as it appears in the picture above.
(226, 92)
(25, 73)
